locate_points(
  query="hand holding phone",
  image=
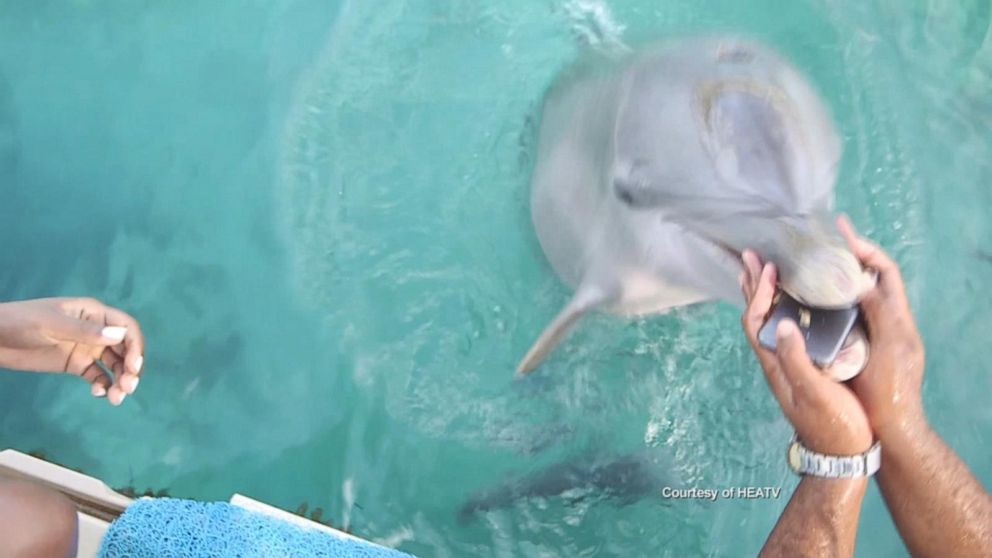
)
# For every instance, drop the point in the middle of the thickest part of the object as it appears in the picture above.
(824, 330)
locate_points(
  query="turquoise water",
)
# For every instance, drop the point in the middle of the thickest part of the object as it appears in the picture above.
(318, 210)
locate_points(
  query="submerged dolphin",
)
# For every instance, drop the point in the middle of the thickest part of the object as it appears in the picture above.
(655, 172)
(625, 479)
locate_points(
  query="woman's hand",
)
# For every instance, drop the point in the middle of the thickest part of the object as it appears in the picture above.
(72, 335)
(827, 416)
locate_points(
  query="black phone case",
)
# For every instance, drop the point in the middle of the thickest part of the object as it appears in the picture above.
(824, 330)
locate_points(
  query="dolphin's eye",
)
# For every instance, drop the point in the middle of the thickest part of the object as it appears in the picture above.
(623, 192)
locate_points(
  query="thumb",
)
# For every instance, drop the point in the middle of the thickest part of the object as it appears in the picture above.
(65, 328)
(792, 358)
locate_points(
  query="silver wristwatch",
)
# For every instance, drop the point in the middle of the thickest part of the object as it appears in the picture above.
(804, 461)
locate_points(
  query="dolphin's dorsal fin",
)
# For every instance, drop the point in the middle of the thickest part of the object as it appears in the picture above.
(585, 298)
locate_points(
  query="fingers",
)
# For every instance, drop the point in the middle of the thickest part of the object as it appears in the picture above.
(871, 255)
(97, 378)
(102, 325)
(760, 302)
(109, 380)
(75, 330)
(115, 395)
(877, 303)
(105, 333)
(805, 380)
(134, 340)
(789, 370)
(759, 291)
(752, 268)
(808, 387)
(853, 356)
(124, 382)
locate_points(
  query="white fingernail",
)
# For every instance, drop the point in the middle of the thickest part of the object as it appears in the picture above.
(121, 400)
(137, 364)
(114, 333)
(134, 384)
(98, 390)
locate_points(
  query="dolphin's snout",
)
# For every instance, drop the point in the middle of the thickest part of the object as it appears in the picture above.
(845, 284)
(824, 273)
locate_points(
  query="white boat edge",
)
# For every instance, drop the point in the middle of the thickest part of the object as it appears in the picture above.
(97, 504)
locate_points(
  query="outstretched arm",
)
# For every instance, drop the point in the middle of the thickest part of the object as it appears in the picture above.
(821, 518)
(939, 507)
(76, 336)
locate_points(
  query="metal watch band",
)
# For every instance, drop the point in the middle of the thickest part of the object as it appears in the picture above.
(804, 461)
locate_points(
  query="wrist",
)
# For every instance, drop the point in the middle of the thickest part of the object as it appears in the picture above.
(852, 444)
(904, 427)
(841, 489)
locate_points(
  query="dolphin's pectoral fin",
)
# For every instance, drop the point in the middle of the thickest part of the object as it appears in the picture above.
(585, 298)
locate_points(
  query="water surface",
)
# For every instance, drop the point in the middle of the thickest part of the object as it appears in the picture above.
(318, 210)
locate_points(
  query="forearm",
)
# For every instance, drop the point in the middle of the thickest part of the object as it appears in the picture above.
(821, 519)
(10, 332)
(938, 506)
(15, 360)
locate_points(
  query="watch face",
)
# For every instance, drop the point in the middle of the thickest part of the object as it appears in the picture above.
(795, 461)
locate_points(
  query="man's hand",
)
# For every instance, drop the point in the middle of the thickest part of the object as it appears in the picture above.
(72, 335)
(826, 415)
(889, 386)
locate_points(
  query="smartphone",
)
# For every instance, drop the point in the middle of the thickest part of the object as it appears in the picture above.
(825, 330)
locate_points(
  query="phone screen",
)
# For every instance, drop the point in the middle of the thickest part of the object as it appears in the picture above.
(824, 329)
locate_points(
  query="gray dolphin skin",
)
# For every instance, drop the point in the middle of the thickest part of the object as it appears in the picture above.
(655, 171)
(626, 479)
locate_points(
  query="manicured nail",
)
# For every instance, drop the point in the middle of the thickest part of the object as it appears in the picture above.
(114, 333)
(119, 401)
(130, 383)
(98, 391)
(137, 364)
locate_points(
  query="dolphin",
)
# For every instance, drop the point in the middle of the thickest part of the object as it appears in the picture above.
(656, 170)
(626, 479)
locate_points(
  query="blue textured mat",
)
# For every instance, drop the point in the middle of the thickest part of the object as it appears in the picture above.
(172, 528)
